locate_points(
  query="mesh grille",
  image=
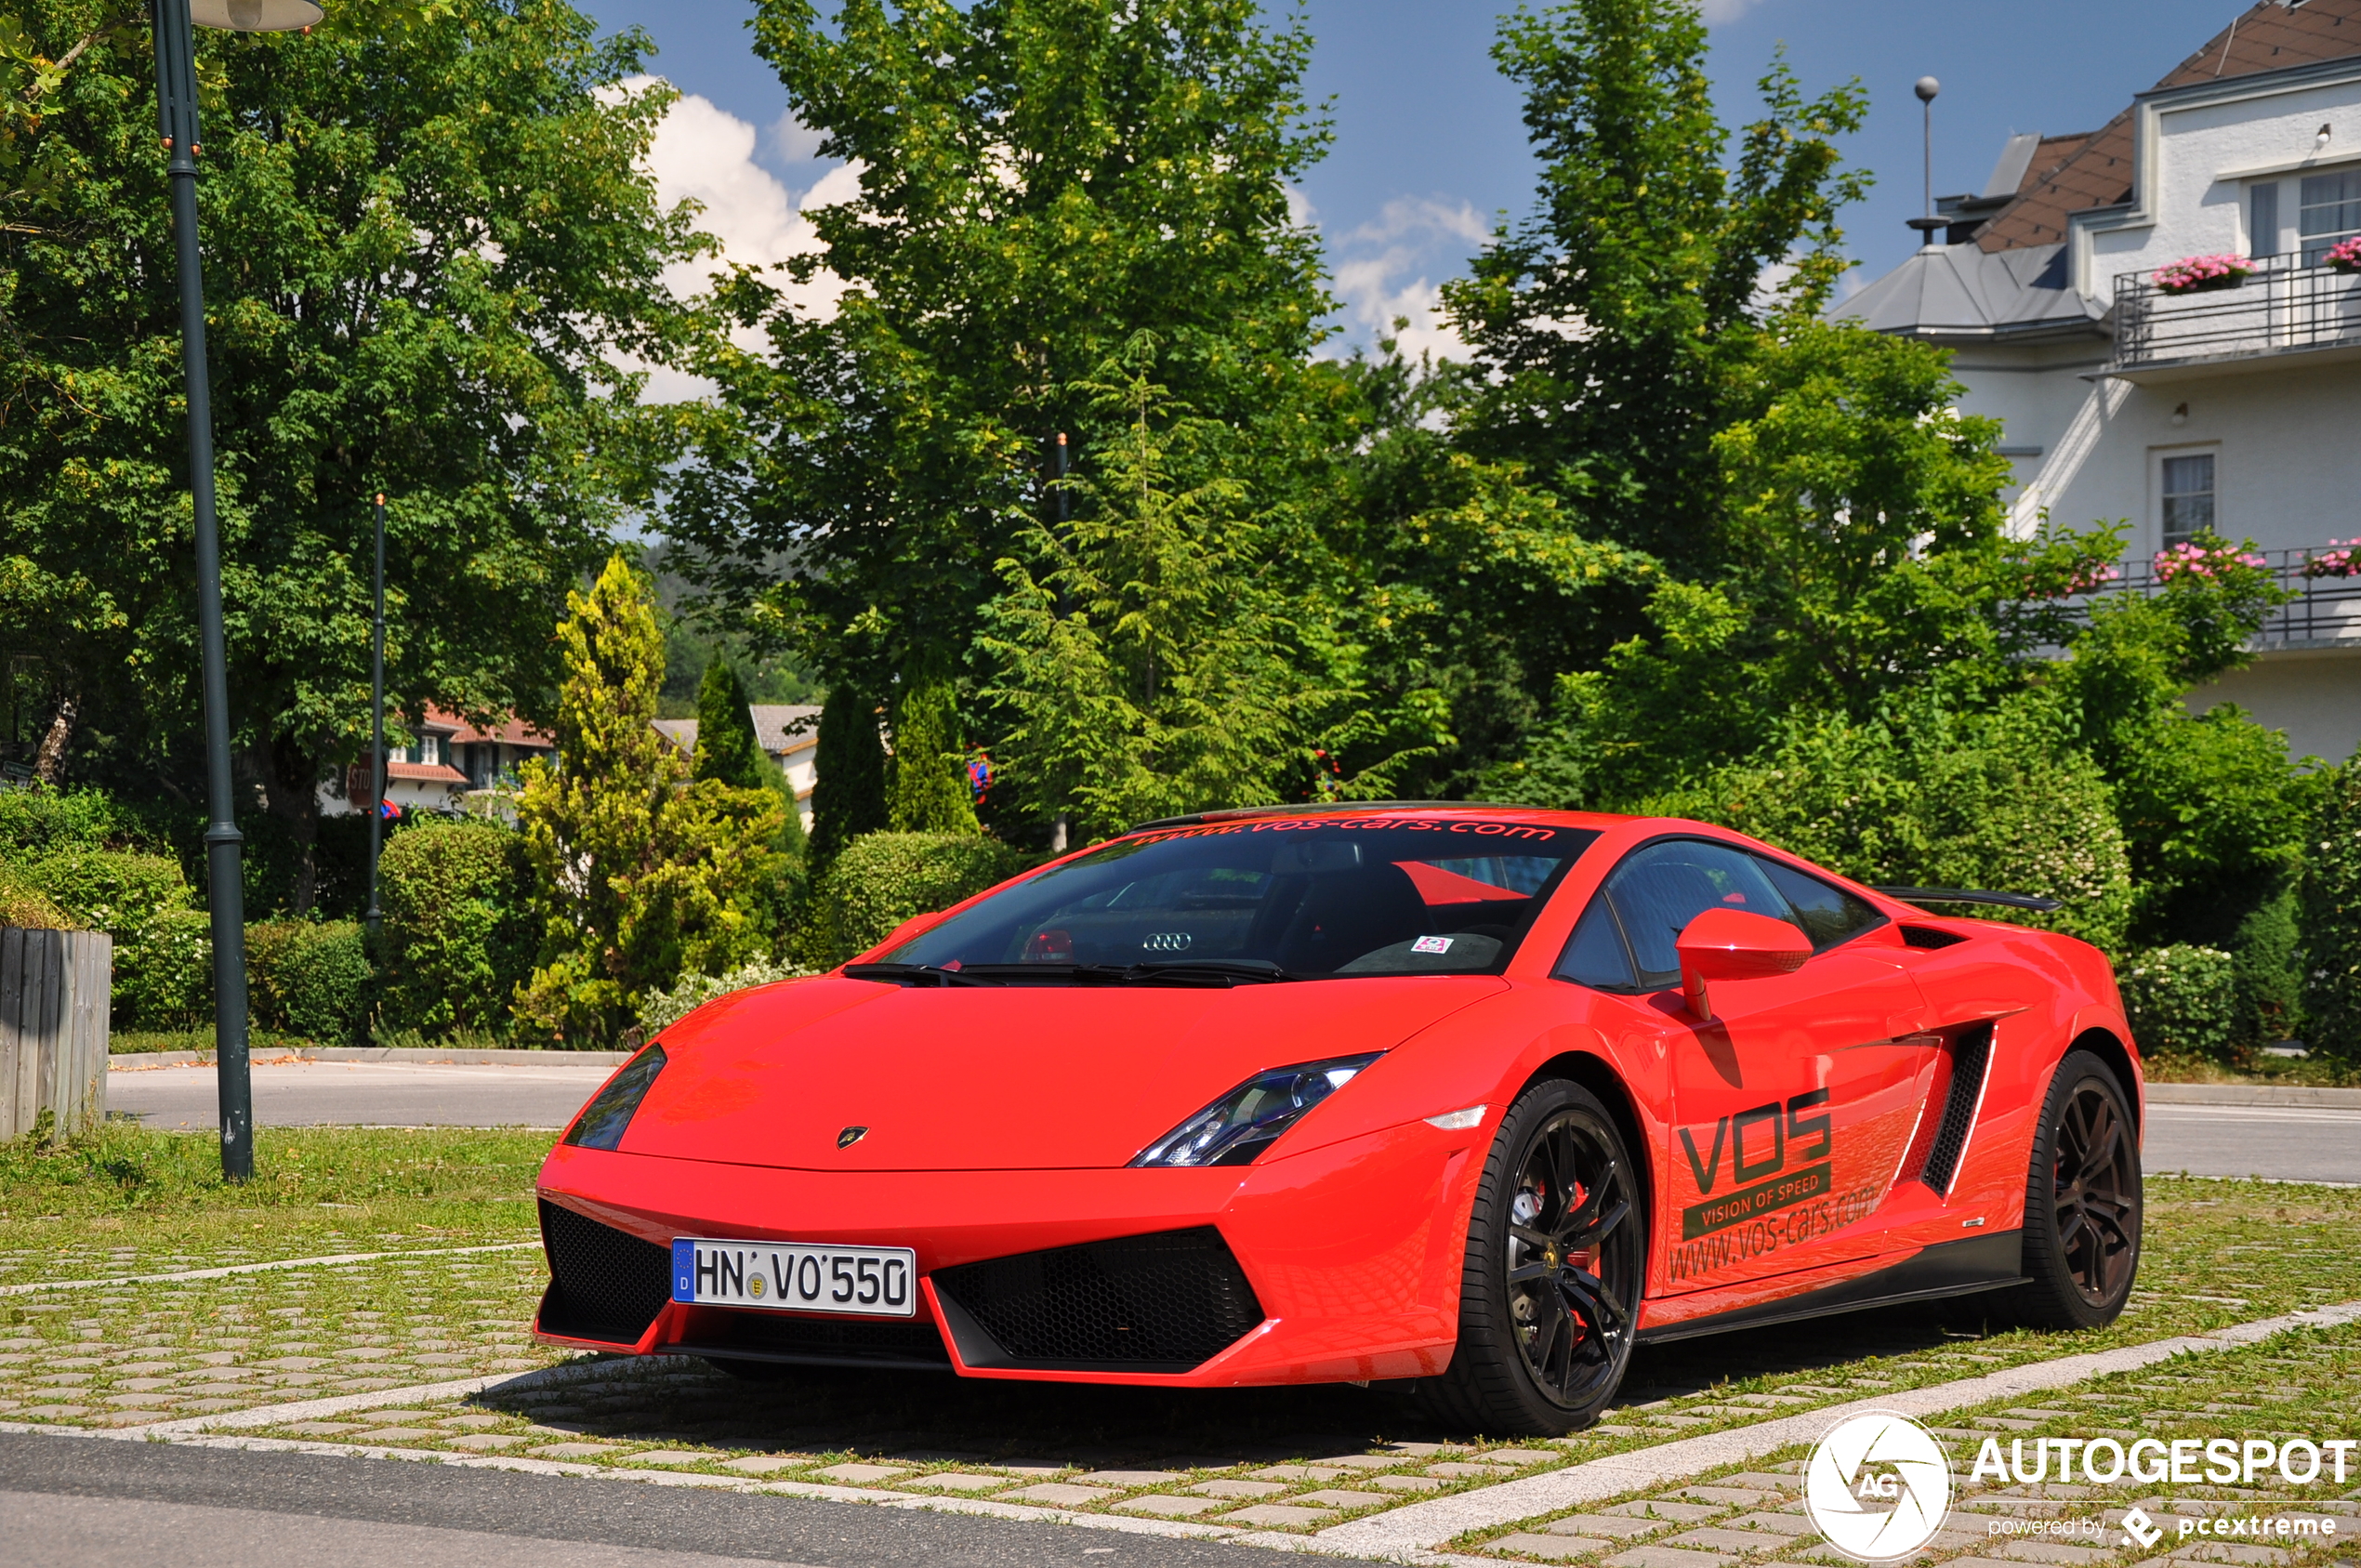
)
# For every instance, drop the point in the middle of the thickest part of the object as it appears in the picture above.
(768, 1336)
(1930, 938)
(1970, 1055)
(603, 1284)
(1175, 1299)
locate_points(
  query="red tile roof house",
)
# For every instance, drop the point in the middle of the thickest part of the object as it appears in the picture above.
(789, 736)
(450, 761)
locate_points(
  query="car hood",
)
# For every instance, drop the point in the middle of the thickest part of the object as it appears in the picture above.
(1020, 1077)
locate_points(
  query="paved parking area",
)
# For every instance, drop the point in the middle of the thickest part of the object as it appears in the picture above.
(2289, 1143)
(298, 1093)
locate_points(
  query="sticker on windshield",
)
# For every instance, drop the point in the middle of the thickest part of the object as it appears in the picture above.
(1431, 944)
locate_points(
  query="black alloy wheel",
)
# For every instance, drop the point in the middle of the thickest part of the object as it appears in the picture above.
(1550, 1285)
(2082, 1201)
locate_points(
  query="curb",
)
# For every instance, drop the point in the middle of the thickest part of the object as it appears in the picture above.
(406, 1055)
(2251, 1094)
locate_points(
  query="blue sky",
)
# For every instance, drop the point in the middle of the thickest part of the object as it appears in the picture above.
(1430, 147)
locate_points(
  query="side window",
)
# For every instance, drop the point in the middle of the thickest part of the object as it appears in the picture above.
(1595, 956)
(1828, 915)
(1659, 890)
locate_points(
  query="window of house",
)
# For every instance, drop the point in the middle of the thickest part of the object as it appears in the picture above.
(2263, 219)
(2187, 490)
(2331, 211)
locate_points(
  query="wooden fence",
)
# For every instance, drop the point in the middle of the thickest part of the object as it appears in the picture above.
(53, 1029)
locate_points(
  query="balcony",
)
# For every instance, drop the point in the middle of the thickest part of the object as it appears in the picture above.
(2281, 308)
(2325, 612)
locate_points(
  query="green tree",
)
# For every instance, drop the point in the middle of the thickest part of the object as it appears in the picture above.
(927, 791)
(428, 240)
(1609, 323)
(727, 749)
(849, 783)
(639, 872)
(1145, 651)
(1041, 180)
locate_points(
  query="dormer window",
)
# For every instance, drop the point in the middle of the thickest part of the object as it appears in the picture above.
(2330, 212)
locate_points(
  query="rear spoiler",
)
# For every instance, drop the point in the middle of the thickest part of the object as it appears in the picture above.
(1970, 895)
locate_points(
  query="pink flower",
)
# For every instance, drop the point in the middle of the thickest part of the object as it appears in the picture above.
(2194, 272)
(2346, 252)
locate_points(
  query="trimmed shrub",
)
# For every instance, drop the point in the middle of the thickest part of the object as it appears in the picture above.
(309, 978)
(2184, 1001)
(24, 903)
(2268, 951)
(164, 979)
(39, 822)
(1988, 802)
(664, 1009)
(884, 878)
(117, 892)
(2331, 915)
(457, 938)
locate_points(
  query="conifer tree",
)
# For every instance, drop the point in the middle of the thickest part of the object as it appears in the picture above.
(849, 794)
(929, 791)
(727, 749)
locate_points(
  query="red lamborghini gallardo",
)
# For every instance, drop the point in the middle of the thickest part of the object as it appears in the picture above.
(1471, 1098)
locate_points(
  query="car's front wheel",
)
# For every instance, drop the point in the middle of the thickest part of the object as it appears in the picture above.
(2081, 1202)
(1549, 1289)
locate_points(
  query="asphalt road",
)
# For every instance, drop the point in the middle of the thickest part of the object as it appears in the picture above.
(82, 1502)
(363, 1094)
(2293, 1144)
(2298, 1143)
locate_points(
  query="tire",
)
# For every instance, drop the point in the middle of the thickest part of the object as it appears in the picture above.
(2082, 1202)
(1543, 1341)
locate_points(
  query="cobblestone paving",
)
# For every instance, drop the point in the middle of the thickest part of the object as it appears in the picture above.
(2297, 1385)
(1287, 1459)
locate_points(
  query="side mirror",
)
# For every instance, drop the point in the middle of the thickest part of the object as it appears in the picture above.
(1732, 944)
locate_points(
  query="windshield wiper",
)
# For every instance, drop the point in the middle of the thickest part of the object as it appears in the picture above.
(913, 974)
(1223, 972)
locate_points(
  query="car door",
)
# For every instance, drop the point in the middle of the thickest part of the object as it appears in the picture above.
(1793, 1105)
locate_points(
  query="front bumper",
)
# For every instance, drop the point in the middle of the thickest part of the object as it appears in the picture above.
(1348, 1261)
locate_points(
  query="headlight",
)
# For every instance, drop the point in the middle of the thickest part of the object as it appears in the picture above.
(601, 1121)
(1242, 1124)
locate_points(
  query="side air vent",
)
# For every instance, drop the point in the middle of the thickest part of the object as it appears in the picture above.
(1971, 1055)
(1930, 938)
(604, 1284)
(1165, 1302)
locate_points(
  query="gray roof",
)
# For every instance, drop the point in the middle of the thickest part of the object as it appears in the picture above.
(1967, 292)
(778, 727)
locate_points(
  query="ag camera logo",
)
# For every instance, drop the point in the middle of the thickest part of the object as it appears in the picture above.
(1877, 1487)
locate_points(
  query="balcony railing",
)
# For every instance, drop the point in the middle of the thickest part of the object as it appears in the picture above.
(2324, 608)
(2281, 306)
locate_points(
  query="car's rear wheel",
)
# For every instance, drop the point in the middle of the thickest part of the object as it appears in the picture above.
(1549, 1289)
(2082, 1202)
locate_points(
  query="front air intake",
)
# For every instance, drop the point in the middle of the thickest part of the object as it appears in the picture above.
(1165, 1302)
(604, 1284)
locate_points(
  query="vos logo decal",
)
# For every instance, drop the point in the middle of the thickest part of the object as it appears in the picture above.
(1760, 1142)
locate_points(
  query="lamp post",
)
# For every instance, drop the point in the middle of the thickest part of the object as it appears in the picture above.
(1928, 225)
(375, 918)
(176, 117)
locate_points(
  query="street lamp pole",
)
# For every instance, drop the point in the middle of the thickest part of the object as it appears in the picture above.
(375, 918)
(177, 118)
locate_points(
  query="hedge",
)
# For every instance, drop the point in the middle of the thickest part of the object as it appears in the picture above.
(23, 902)
(2183, 1001)
(309, 978)
(664, 1008)
(457, 938)
(118, 891)
(164, 979)
(2331, 915)
(882, 879)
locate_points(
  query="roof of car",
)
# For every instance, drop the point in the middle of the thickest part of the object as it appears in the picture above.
(1380, 807)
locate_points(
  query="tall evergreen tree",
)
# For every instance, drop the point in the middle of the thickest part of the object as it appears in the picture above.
(848, 791)
(727, 748)
(929, 791)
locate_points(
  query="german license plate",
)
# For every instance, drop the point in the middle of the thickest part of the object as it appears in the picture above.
(792, 1277)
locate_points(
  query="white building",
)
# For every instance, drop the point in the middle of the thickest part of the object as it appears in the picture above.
(789, 736)
(448, 761)
(2233, 408)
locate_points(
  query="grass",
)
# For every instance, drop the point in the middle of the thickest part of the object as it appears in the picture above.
(2316, 1070)
(127, 1198)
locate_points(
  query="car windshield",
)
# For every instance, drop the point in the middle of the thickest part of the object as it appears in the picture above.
(1268, 899)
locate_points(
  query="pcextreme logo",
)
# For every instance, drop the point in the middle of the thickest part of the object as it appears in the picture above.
(1877, 1487)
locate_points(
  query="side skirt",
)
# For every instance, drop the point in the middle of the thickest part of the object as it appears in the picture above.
(1959, 1268)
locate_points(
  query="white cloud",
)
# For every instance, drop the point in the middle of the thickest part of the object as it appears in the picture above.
(1385, 271)
(791, 140)
(706, 155)
(1716, 12)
